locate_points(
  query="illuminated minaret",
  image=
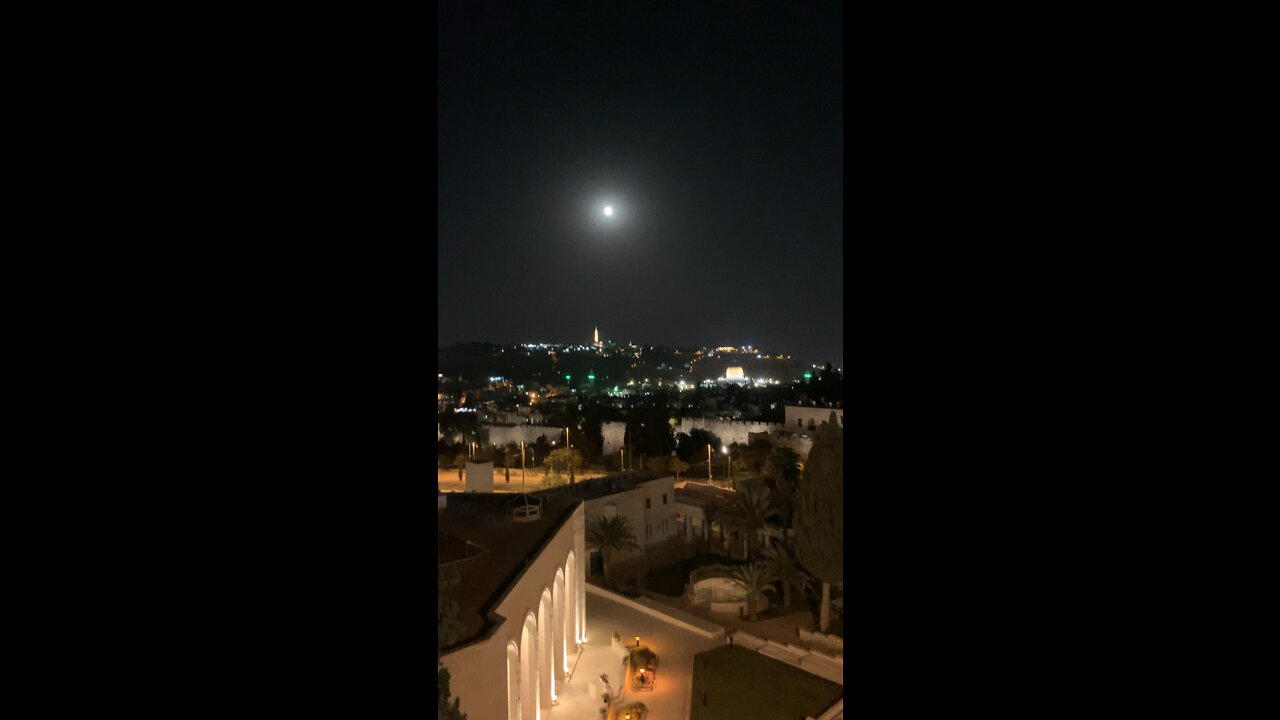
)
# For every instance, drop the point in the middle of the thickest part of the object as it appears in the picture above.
(597, 336)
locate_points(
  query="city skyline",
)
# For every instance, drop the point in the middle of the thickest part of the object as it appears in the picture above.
(603, 341)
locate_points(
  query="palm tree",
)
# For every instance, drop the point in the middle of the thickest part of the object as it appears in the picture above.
(747, 512)
(756, 578)
(782, 476)
(610, 535)
(782, 562)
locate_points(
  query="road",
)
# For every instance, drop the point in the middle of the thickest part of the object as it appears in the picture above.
(447, 480)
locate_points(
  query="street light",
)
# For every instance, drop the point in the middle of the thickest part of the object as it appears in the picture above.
(728, 464)
(708, 462)
(569, 459)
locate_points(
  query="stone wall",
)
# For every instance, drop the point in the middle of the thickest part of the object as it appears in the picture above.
(798, 417)
(824, 665)
(613, 434)
(503, 434)
(729, 431)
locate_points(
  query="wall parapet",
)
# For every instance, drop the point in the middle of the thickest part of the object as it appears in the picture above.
(680, 619)
(820, 664)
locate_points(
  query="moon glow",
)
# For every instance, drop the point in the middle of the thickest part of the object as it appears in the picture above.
(608, 210)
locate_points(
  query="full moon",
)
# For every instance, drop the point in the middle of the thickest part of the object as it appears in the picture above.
(608, 210)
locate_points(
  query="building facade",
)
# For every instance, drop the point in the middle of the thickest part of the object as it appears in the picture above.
(644, 500)
(523, 599)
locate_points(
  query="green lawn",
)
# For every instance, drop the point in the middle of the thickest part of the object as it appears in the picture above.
(741, 684)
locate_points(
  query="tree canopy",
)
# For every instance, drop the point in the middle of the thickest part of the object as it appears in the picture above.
(819, 522)
(693, 446)
(559, 460)
(746, 513)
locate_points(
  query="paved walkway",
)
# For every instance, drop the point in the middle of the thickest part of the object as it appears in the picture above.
(675, 647)
(780, 629)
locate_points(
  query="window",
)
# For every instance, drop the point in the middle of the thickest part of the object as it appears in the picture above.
(648, 503)
(664, 498)
(648, 530)
(799, 422)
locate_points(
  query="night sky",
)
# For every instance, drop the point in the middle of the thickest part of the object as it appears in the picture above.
(714, 129)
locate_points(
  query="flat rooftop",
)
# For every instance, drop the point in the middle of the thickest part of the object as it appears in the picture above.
(602, 486)
(742, 684)
(703, 495)
(478, 537)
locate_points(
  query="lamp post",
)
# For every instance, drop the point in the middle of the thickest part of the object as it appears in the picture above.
(521, 466)
(728, 464)
(708, 462)
(569, 459)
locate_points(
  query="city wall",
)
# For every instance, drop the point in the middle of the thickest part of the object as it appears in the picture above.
(799, 417)
(729, 431)
(614, 433)
(503, 434)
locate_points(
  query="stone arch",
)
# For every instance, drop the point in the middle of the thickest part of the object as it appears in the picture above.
(529, 709)
(546, 660)
(572, 619)
(560, 621)
(513, 681)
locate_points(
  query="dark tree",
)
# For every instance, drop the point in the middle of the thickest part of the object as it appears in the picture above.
(693, 447)
(649, 433)
(782, 476)
(820, 513)
(450, 628)
(445, 710)
(753, 457)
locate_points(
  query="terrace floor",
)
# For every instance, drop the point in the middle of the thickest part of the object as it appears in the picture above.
(675, 647)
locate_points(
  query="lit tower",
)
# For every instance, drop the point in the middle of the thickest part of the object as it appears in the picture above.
(596, 342)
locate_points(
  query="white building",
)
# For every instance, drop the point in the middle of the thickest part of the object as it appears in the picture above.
(522, 600)
(644, 500)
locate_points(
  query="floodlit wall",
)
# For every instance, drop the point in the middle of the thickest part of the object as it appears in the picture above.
(613, 434)
(798, 417)
(503, 434)
(729, 431)
(800, 444)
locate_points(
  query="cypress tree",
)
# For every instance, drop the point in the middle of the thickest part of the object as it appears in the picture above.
(449, 629)
(819, 521)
